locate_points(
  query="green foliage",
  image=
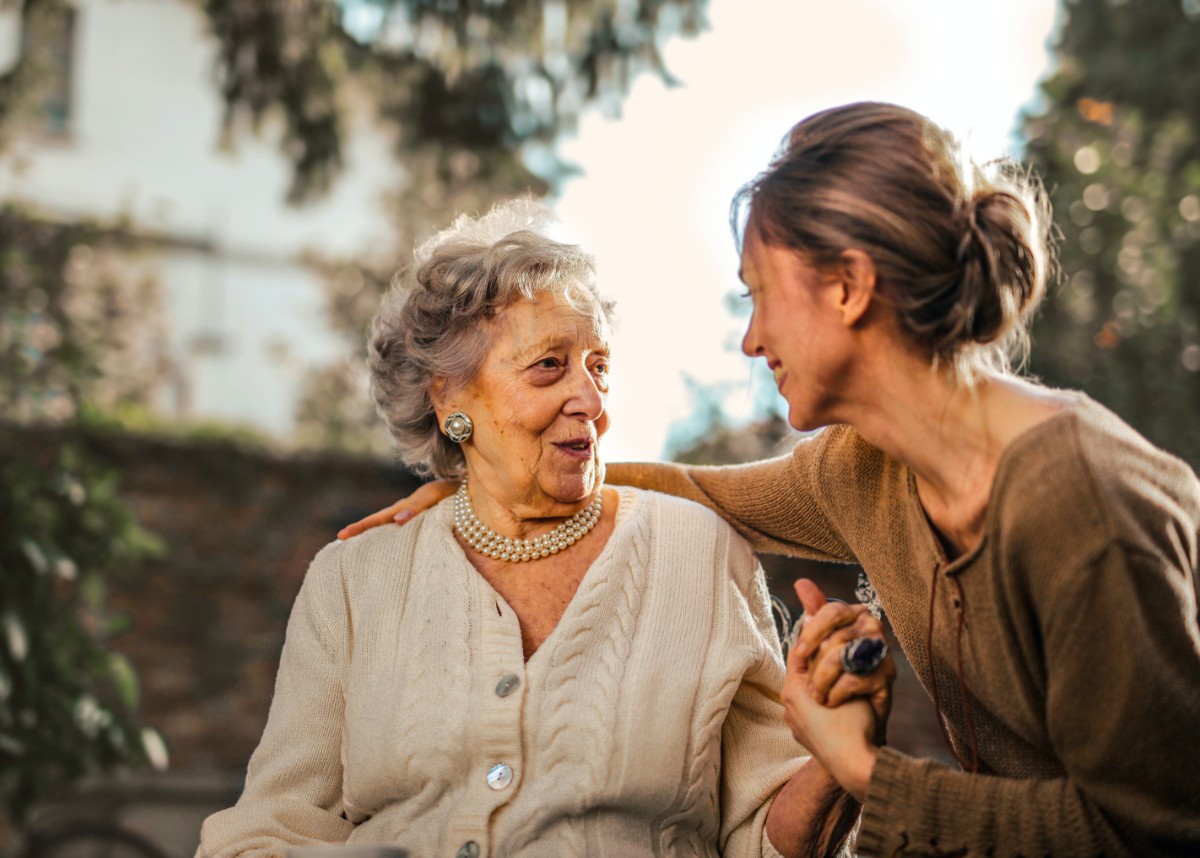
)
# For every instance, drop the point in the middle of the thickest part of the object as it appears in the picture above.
(1117, 144)
(73, 327)
(474, 90)
(68, 703)
(464, 83)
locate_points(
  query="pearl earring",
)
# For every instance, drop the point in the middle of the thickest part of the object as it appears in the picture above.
(458, 427)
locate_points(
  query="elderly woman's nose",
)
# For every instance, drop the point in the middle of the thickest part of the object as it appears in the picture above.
(587, 397)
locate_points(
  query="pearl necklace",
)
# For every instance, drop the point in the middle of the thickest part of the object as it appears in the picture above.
(486, 541)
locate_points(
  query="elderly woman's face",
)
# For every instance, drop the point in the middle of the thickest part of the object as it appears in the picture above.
(539, 407)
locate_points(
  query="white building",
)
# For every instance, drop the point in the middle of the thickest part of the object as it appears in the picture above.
(135, 131)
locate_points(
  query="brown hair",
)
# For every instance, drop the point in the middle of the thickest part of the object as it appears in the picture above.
(960, 251)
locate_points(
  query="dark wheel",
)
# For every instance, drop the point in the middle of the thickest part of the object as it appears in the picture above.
(91, 839)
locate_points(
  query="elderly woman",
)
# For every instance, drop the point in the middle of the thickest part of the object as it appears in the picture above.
(540, 665)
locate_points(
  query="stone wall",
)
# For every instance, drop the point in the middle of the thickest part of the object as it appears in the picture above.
(240, 527)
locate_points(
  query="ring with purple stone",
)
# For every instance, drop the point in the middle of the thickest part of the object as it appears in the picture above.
(862, 655)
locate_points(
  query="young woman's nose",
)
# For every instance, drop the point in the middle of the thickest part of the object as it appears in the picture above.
(751, 347)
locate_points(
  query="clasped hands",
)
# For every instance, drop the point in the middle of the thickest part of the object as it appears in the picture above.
(839, 717)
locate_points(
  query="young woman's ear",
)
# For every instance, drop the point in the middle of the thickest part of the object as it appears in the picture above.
(857, 286)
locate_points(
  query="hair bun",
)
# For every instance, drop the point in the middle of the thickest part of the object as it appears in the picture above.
(1001, 262)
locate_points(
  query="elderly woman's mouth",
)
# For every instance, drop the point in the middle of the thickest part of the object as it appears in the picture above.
(581, 449)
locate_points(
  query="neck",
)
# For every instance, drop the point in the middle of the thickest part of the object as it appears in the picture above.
(522, 516)
(487, 541)
(950, 436)
(939, 430)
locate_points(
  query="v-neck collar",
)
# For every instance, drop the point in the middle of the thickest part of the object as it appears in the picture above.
(1008, 457)
(626, 501)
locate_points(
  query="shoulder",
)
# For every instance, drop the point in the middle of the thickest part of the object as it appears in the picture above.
(1087, 480)
(668, 512)
(680, 526)
(383, 551)
(843, 459)
(859, 487)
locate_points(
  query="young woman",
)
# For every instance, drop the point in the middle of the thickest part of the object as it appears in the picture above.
(1037, 558)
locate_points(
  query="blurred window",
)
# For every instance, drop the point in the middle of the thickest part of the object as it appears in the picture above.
(55, 42)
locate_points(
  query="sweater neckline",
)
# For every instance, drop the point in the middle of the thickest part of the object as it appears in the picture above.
(1009, 456)
(626, 501)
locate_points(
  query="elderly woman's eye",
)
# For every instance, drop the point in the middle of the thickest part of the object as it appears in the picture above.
(548, 363)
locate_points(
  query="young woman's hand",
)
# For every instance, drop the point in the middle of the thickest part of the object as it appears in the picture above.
(402, 510)
(826, 628)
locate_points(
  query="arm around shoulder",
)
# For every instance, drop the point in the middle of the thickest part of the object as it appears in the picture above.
(774, 503)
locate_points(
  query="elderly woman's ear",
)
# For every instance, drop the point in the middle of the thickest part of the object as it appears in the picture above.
(443, 405)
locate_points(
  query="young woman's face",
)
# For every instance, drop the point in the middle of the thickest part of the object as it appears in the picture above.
(539, 405)
(796, 328)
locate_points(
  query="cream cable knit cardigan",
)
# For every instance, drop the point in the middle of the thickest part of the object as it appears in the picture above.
(648, 723)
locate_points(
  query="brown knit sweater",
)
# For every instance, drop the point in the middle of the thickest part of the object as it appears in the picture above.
(1065, 649)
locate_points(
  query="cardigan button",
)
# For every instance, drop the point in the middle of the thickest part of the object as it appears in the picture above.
(499, 776)
(470, 849)
(507, 685)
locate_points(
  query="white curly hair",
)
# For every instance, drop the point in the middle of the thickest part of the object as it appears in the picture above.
(431, 324)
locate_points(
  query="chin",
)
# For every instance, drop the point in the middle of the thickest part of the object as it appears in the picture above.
(804, 421)
(576, 487)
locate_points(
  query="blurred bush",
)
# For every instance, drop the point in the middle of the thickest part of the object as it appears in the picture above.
(1115, 136)
(68, 704)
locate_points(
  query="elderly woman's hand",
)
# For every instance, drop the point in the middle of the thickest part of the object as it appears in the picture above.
(826, 629)
(402, 510)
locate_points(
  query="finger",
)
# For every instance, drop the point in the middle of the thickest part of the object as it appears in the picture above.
(812, 599)
(817, 627)
(825, 666)
(848, 686)
(796, 664)
(825, 669)
(383, 516)
(402, 510)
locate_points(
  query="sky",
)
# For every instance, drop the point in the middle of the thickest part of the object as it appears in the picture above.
(653, 196)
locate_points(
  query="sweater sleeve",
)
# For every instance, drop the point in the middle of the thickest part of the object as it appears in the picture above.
(293, 792)
(1122, 709)
(774, 504)
(758, 753)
